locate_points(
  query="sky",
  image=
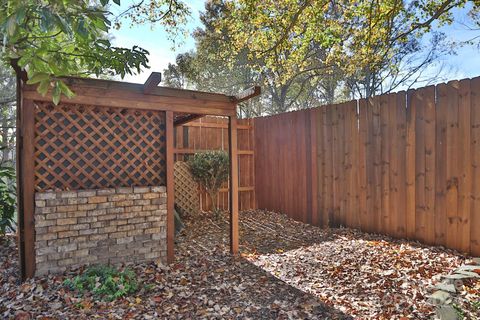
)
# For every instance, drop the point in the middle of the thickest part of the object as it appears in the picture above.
(464, 64)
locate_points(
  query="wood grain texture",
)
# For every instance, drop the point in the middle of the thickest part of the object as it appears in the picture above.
(211, 133)
(28, 183)
(403, 164)
(232, 138)
(170, 188)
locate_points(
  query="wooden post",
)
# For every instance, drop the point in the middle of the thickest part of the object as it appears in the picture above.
(232, 135)
(26, 191)
(170, 188)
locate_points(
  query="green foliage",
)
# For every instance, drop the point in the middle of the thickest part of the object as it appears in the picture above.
(8, 199)
(210, 169)
(356, 39)
(104, 282)
(55, 38)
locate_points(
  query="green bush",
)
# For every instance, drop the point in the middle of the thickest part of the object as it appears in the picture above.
(210, 169)
(8, 199)
(104, 282)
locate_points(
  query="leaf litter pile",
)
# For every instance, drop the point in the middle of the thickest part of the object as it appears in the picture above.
(287, 270)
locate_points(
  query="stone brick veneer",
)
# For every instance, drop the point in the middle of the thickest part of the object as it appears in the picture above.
(103, 226)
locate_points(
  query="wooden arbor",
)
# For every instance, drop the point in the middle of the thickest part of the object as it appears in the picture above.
(180, 106)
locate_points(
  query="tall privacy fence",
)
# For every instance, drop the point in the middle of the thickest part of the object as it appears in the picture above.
(405, 164)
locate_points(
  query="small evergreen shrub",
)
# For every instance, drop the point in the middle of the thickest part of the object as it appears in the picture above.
(210, 169)
(104, 282)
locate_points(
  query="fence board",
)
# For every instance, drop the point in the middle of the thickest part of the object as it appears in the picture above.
(475, 152)
(430, 147)
(465, 162)
(364, 168)
(404, 164)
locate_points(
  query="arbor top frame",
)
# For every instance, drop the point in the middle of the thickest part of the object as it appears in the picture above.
(180, 106)
(148, 96)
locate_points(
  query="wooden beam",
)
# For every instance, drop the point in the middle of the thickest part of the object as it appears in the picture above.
(192, 151)
(27, 151)
(170, 188)
(216, 125)
(188, 118)
(152, 82)
(247, 94)
(116, 99)
(156, 91)
(232, 135)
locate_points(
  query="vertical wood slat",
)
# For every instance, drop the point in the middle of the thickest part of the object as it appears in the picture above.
(475, 155)
(452, 180)
(465, 166)
(404, 164)
(400, 164)
(328, 147)
(170, 187)
(430, 147)
(410, 166)
(232, 139)
(441, 164)
(364, 141)
(28, 183)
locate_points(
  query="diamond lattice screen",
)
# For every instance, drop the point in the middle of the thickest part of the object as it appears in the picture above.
(86, 147)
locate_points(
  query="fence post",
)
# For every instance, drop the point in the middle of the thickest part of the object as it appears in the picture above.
(170, 187)
(232, 135)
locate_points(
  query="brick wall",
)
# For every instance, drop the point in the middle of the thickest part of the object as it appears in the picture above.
(103, 226)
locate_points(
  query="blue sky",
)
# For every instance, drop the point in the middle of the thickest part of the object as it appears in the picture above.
(465, 64)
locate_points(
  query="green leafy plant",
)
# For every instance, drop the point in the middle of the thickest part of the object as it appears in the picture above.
(7, 199)
(57, 38)
(210, 169)
(104, 282)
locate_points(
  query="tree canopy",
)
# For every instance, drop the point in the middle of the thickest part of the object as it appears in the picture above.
(54, 38)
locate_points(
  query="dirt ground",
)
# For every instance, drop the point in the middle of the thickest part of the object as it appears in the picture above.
(286, 270)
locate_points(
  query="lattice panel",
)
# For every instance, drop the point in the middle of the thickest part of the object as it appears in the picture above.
(186, 189)
(85, 147)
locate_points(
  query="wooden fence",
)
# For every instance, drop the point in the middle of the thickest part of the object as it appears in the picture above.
(211, 133)
(404, 164)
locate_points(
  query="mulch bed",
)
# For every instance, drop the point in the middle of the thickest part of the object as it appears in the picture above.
(287, 270)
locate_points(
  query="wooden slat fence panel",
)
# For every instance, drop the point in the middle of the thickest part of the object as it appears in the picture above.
(405, 164)
(211, 133)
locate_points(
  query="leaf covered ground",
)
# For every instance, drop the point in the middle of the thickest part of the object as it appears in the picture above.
(287, 270)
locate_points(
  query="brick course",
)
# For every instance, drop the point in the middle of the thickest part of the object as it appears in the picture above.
(108, 226)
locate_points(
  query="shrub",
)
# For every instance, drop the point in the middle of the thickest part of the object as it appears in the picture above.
(210, 169)
(7, 199)
(104, 282)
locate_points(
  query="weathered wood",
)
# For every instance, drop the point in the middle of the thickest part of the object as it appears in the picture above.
(170, 188)
(152, 81)
(232, 139)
